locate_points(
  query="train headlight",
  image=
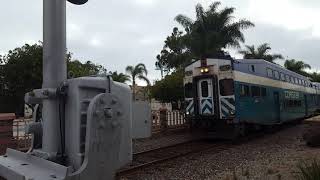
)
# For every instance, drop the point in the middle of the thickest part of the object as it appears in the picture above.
(204, 70)
(232, 112)
(187, 113)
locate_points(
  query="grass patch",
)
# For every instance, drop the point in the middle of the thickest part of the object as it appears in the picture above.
(309, 171)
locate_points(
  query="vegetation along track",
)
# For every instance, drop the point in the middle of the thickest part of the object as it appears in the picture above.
(155, 156)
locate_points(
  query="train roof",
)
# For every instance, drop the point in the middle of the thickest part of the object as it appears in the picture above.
(260, 67)
(265, 64)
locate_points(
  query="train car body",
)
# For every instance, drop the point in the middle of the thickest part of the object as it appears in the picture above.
(228, 95)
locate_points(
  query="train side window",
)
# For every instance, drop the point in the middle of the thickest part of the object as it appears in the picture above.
(269, 72)
(287, 78)
(244, 90)
(188, 90)
(291, 79)
(276, 75)
(263, 92)
(252, 68)
(204, 89)
(291, 103)
(295, 80)
(255, 91)
(226, 87)
(282, 77)
(299, 103)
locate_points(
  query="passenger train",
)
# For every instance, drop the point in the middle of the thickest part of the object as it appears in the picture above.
(229, 97)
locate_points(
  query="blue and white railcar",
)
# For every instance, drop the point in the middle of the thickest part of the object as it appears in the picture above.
(232, 94)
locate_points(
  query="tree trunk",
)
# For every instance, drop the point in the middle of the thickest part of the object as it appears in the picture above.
(134, 90)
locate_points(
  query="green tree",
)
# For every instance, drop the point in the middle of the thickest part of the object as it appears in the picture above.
(262, 52)
(21, 72)
(169, 89)
(119, 77)
(137, 72)
(175, 54)
(297, 66)
(78, 69)
(212, 30)
(315, 76)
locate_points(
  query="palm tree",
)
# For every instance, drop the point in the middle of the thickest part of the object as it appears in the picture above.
(120, 77)
(262, 52)
(137, 72)
(212, 30)
(297, 66)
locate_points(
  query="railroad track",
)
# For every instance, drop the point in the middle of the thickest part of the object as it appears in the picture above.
(156, 156)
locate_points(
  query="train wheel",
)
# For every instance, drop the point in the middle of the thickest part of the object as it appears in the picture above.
(239, 131)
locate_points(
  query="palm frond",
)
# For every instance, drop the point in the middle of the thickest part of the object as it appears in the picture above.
(144, 78)
(245, 24)
(214, 6)
(263, 49)
(225, 16)
(129, 69)
(277, 56)
(184, 21)
(199, 12)
(141, 68)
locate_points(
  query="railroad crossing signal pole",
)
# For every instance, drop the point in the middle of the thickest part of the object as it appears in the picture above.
(54, 70)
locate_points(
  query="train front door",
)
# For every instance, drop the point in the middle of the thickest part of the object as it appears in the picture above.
(277, 106)
(205, 95)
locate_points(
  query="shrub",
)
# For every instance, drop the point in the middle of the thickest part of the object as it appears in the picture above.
(309, 171)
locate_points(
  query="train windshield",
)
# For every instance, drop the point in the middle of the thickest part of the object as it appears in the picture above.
(226, 87)
(188, 90)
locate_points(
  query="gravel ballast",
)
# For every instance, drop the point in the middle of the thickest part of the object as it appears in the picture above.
(274, 156)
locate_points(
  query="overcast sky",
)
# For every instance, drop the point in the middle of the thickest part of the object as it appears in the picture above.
(117, 33)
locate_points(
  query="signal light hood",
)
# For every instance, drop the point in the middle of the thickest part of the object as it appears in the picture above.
(78, 2)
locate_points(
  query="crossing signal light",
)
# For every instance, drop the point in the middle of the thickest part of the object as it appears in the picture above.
(78, 2)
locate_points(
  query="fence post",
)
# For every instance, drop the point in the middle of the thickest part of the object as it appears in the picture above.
(6, 132)
(163, 119)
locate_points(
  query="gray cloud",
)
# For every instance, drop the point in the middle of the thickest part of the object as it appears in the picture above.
(119, 33)
(297, 44)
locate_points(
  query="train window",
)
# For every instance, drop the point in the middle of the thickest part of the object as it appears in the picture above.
(252, 68)
(297, 103)
(188, 90)
(287, 78)
(255, 91)
(276, 74)
(263, 92)
(291, 79)
(296, 80)
(282, 77)
(244, 90)
(226, 87)
(204, 89)
(269, 72)
(291, 103)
